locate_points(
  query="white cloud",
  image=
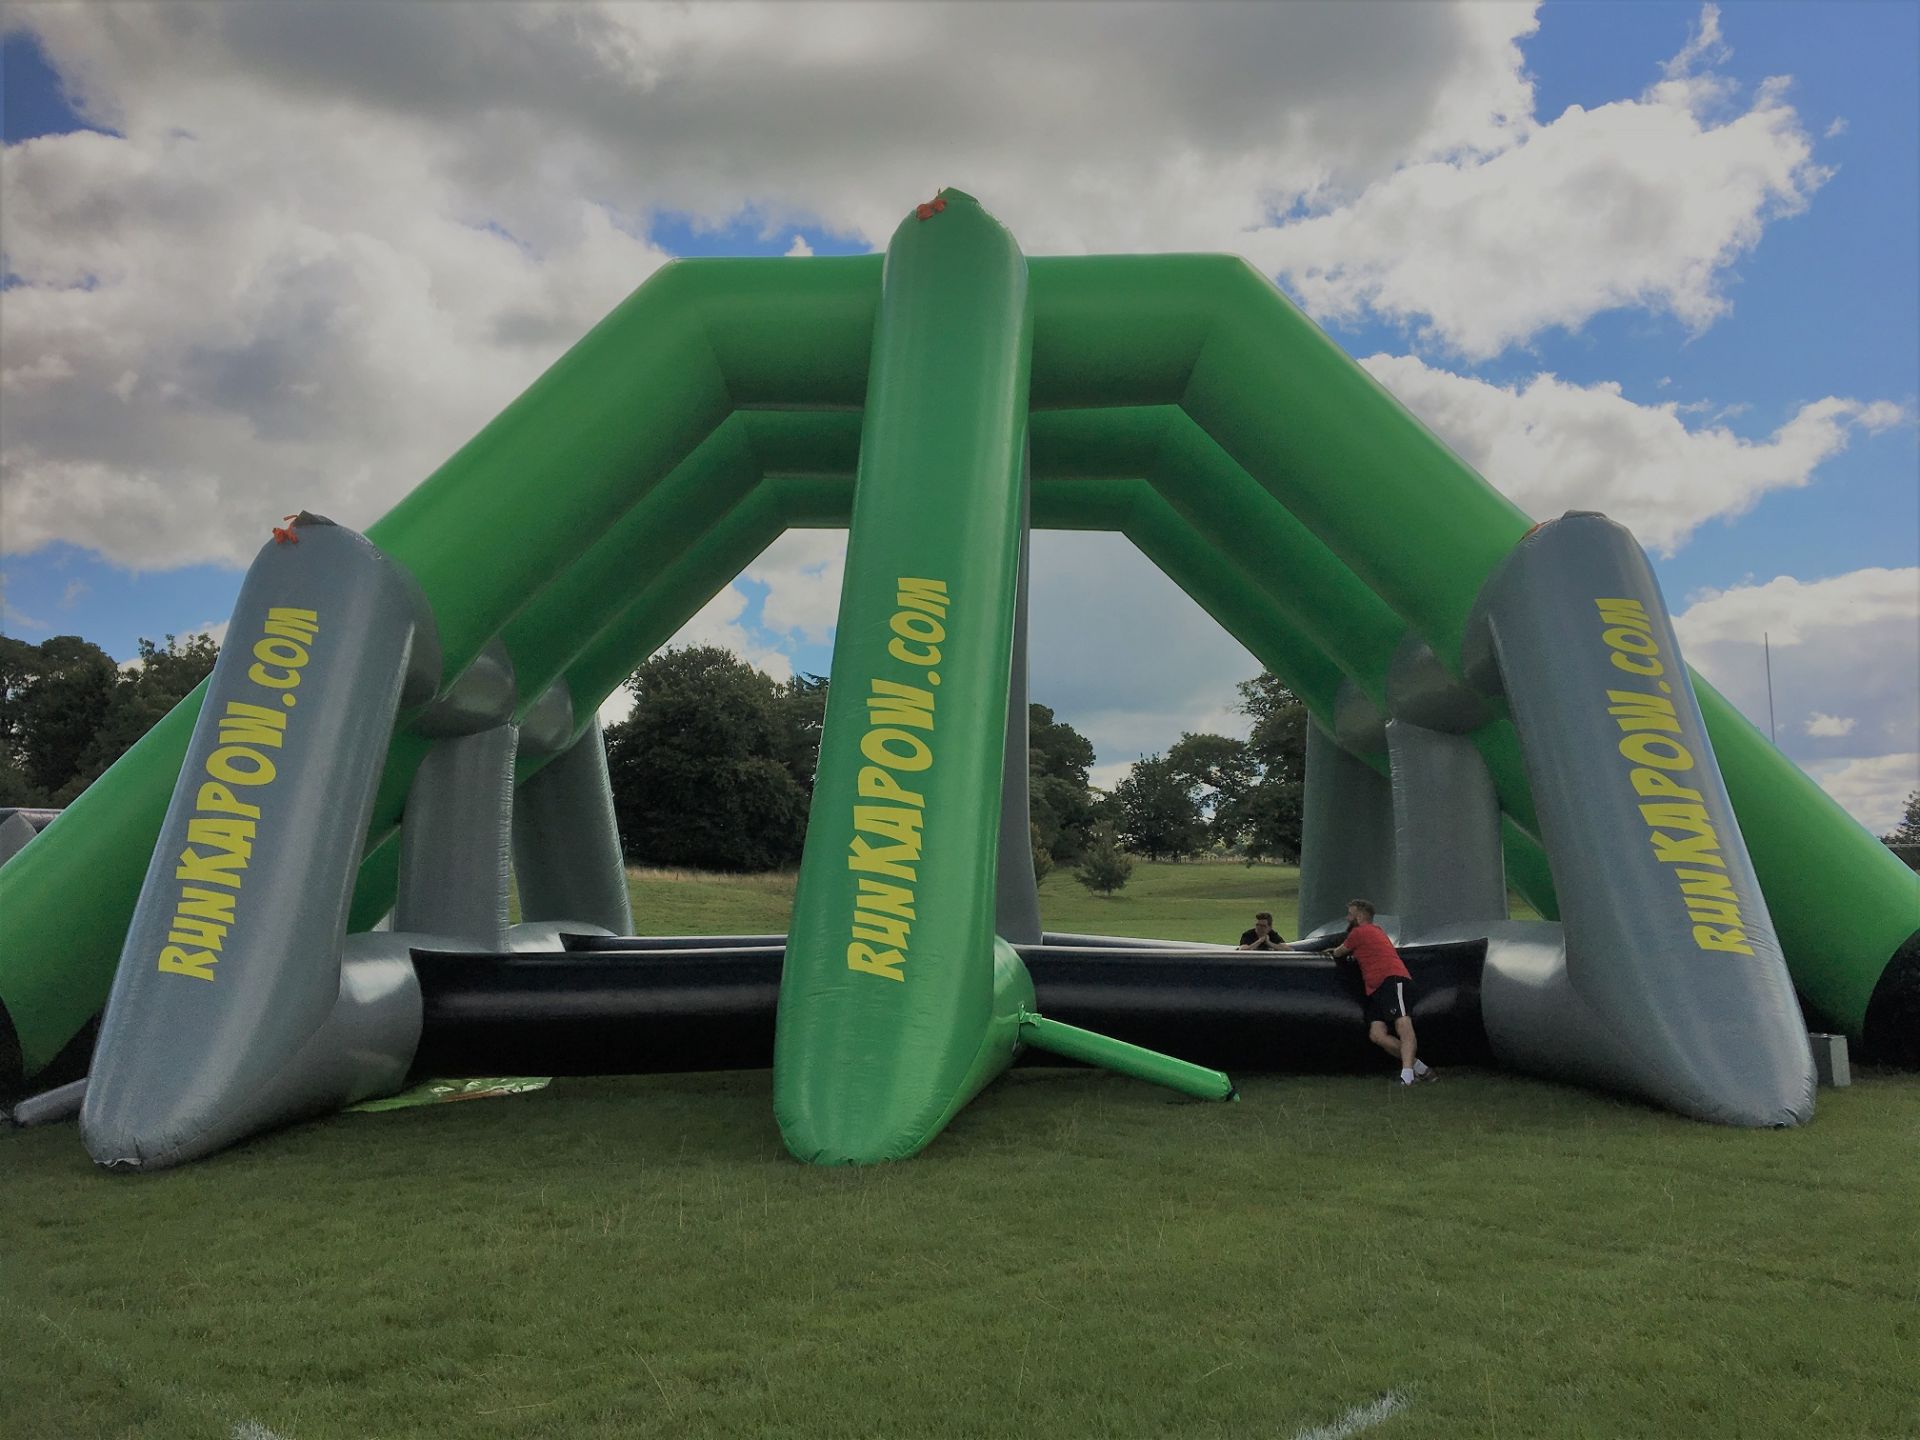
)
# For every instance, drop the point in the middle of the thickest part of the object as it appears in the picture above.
(1551, 446)
(799, 247)
(326, 246)
(802, 572)
(1641, 203)
(1874, 791)
(213, 334)
(1837, 128)
(1704, 46)
(718, 623)
(1122, 654)
(1848, 645)
(615, 708)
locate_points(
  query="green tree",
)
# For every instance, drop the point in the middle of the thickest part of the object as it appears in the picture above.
(148, 688)
(1055, 748)
(712, 769)
(1042, 861)
(1905, 837)
(19, 664)
(803, 710)
(1157, 814)
(1221, 772)
(1268, 817)
(1062, 813)
(1059, 801)
(54, 696)
(1105, 867)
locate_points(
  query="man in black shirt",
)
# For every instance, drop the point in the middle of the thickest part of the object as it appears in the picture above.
(1263, 936)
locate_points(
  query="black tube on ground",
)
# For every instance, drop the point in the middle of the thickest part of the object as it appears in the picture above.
(608, 1013)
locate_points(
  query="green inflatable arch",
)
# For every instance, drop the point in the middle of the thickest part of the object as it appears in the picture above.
(933, 402)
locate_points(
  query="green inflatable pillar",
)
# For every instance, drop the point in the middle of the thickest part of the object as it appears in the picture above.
(894, 1009)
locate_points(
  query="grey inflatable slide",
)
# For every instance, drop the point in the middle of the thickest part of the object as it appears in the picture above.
(1664, 979)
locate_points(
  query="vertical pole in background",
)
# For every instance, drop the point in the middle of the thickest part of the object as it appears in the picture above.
(1766, 649)
(896, 1004)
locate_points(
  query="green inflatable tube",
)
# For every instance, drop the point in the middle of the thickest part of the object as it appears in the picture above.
(1073, 1043)
(893, 1010)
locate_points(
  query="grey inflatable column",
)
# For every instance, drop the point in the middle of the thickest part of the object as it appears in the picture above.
(1347, 835)
(15, 832)
(1672, 985)
(231, 1009)
(1347, 832)
(1446, 811)
(454, 837)
(1016, 893)
(566, 842)
(1446, 821)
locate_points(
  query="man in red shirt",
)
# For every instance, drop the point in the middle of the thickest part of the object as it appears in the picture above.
(1389, 989)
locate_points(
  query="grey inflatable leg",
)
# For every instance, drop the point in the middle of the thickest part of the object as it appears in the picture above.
(1674, 987)
(566, 844)
(50, 1107)
(15, 832)
(1446, 821)
(453, 840)
(231, 1009)
(1358, 724)
(1347, 835)
(1016, 893)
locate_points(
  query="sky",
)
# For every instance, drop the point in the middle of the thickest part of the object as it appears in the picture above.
(1657, 260)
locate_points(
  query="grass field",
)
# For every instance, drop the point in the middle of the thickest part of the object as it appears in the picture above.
(1193, 901)
(1077, 1256)
(1198, 901)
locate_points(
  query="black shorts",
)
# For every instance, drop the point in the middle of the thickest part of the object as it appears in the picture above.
(1393, 999)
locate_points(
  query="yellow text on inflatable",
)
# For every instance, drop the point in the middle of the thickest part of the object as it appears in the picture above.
(1675, 813)
(890, 809)
(225, 823)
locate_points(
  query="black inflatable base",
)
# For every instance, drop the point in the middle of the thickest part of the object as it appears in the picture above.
(1891, 1035)
(604, 1011)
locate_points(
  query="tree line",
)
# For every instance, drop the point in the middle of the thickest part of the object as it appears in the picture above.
(68, 710)
(713, 768)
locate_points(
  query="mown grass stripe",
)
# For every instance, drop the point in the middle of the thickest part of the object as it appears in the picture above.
(1361, 1417)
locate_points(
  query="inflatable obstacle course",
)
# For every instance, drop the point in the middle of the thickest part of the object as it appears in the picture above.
(1457, 666)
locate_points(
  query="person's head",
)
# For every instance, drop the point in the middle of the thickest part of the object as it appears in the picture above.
(1360, 912)
(1263, 922)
